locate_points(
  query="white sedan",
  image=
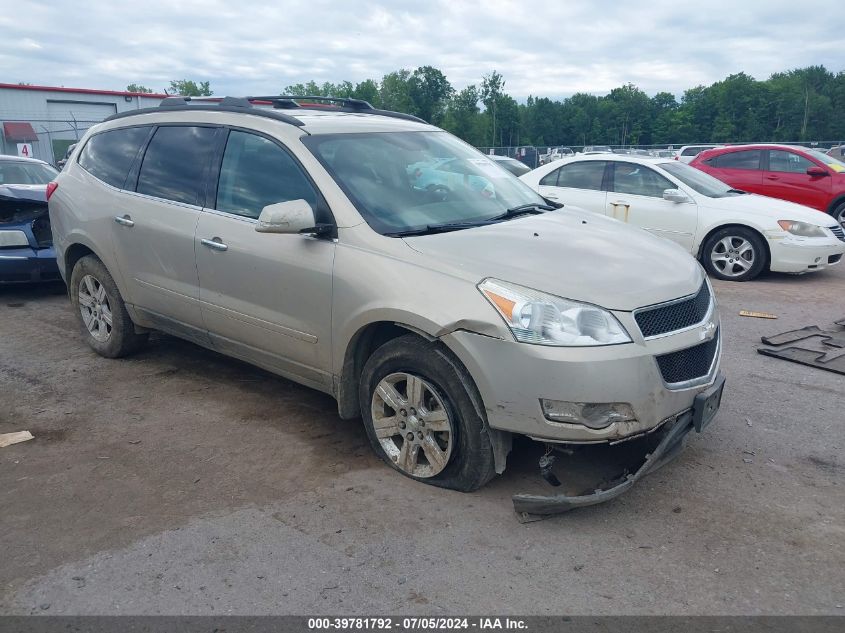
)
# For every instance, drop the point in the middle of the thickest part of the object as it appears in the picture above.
(734, 234)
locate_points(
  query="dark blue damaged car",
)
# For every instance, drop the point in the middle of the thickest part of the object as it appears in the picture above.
(26, 241)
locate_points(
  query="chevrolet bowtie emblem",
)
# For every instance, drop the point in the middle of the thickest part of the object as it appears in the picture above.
(708, 332)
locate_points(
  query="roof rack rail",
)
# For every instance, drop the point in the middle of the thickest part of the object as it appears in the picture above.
(279, 102)
(344, 104)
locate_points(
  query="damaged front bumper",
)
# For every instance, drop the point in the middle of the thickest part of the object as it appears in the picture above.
(671, 444)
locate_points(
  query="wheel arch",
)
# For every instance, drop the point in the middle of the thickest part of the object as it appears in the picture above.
(836, 202)
(737, 225)
(368, 338)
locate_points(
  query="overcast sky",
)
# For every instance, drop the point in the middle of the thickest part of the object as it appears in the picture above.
(542, 48)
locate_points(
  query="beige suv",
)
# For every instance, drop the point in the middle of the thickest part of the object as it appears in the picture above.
(381, 260)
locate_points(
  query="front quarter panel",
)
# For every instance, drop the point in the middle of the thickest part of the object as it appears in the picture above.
(391, 284)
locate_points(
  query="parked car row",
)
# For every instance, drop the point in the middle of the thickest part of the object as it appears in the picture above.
(377, 258)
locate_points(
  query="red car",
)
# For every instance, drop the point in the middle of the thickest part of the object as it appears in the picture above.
(797, 174)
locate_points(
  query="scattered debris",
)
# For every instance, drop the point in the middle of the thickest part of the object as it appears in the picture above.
(749, 452)
(677, 509)
(748, 421)
(7, 439)
(757, 315)
(820, 348)
(747, 461)
(577, 568)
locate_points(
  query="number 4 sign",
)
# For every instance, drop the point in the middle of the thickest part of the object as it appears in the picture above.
(25, 150)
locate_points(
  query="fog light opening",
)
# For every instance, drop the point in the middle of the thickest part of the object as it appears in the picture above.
(593, 415)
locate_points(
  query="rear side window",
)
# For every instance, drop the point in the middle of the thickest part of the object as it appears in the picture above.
(109, 155)
(746, 159)
(176, 162)
(255, 173)
(585, 175)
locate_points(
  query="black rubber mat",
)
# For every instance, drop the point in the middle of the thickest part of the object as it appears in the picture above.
(820, 348)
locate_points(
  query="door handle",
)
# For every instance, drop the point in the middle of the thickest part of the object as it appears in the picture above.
(770, 177)
(216, 244)
(550, 196)
(124, 220)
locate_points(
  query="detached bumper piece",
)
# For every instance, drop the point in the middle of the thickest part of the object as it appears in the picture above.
(670, 446)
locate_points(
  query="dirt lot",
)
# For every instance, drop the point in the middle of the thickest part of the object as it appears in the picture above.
(179, 481)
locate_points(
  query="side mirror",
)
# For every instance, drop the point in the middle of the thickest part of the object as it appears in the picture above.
(675, 195)
(291, 217)
(815, 170)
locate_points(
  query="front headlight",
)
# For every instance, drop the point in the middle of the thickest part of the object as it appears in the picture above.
(802, 229)
(543, 319)
(13, 238)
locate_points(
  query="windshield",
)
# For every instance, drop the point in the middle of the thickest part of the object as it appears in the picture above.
(834, 163)
(696, 179)
(406, 181)
(18, 172)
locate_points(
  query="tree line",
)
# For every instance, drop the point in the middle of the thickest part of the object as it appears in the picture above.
(803, 104)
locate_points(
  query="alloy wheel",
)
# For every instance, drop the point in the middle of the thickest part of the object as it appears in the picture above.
(733, 256)
(94, 307)
(412, 425)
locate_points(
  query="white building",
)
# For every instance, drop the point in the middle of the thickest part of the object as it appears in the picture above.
(49, 119)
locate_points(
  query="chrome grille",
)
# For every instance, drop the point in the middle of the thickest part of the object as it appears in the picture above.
(676, 315)
(839, 232)
(688, 364)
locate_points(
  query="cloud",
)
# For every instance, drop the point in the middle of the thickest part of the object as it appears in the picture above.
(541, 48)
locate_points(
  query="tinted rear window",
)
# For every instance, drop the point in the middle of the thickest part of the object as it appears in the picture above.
(746, 159)
(175, 163)
(109, 155)
(583, 175)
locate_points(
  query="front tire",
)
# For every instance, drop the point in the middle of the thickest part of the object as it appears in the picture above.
(421, 418)
(106, 324)
(734, 253)
(839, 214)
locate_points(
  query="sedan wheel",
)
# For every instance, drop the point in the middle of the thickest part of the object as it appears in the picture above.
(95, 309)
(733, 256)
(412, 425)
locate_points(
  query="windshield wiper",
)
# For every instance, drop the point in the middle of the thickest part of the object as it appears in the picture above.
(439, 228)
(736, 191)
(522, 209)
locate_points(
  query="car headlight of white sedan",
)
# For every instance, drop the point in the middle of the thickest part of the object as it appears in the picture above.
(544, 319)
(802, 229)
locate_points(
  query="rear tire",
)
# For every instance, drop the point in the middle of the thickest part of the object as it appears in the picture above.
(421, 418)
(106, 325)
(734, 253)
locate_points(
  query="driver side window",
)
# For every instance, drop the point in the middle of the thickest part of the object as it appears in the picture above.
(255, 173)
(639, 180)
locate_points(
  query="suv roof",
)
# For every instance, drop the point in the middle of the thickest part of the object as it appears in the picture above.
(328, 114)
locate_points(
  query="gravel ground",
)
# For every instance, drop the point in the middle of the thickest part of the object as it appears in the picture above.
(181, 482)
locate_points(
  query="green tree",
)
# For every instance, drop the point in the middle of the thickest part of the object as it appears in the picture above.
(429, 91)
(395, 91)
(138, 88)
(492, 87)
(190, 88)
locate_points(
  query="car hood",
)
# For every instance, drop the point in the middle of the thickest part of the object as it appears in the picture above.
(764, 206)
(24, 192)
(570, 253)
(22, 203)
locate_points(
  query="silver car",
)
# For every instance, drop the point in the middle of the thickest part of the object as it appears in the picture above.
(294, 238)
